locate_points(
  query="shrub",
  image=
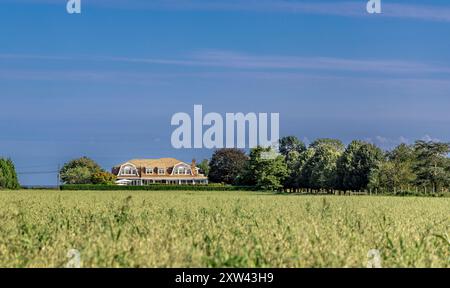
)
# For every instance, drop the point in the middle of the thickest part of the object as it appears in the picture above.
(103, 177)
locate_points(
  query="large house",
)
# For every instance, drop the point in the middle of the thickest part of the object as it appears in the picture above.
(140, 172)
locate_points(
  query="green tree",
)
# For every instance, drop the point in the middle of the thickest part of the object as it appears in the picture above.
(204, 167)
(357, 165)
(2, 177)
(267, 169)
(291, 148)
(334, 144)
(323, 164)
(14, 180)
(402, 153)
(402, 159)
(79, 171)
(4, 174)
(432, 167)
(290, 144)
(396, 171)
(227, 166)
(78, 175)
(303, 169)
(8, 175)
(292, 165)
(317, 168)
(383, 179)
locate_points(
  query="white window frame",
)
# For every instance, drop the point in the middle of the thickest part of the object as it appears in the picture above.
(159, 171)
(149, 170)
(186, 167)
(133, 171)
(182, 171)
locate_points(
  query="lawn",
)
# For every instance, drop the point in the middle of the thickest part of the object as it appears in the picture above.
(220, 229)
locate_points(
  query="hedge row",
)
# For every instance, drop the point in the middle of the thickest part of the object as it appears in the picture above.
(158, 187)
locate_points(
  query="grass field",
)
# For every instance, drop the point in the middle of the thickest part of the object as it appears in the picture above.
(220, 229)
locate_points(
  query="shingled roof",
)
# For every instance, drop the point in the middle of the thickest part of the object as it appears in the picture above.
(161, 163)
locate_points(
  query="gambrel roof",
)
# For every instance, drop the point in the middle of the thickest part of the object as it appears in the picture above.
(160, 163)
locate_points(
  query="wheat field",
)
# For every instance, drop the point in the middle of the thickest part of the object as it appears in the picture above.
(220, 229)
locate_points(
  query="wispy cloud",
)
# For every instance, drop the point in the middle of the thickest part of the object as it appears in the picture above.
(390, 143)
(6, 56)
(428, 138)
(337, 8)
(222, 62)
(242, 61)
(387, 142)
(85, 76)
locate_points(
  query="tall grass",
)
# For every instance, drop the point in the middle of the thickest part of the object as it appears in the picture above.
(220, 229)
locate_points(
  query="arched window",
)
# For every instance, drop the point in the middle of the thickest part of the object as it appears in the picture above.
(182, 170)
(128, 170)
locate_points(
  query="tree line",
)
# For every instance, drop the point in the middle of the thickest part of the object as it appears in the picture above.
(327, 165)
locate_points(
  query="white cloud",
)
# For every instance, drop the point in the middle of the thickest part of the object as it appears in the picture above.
(306, 140)
(428, 138)
(381, 139)
(389, 143)
(242, 65)
(404, 140)
(236, 60)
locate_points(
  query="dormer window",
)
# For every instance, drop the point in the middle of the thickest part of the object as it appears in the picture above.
(179, 171)
(129, 170)
(148, 170)
(182, 170)
(161, 171)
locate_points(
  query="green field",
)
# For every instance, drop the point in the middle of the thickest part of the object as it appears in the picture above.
(220, 229)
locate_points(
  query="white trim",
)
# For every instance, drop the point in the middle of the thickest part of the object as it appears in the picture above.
(189, 167)
(128, 164)
(164, 173)
(168, 180)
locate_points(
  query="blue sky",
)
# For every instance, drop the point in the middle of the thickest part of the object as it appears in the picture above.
(105, 83)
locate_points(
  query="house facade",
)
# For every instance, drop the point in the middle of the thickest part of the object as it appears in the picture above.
(138, 172)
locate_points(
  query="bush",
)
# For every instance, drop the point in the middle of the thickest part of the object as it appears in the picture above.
(103, 178)
(157, 187)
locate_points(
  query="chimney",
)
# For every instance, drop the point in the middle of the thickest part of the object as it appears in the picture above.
(193, 167)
